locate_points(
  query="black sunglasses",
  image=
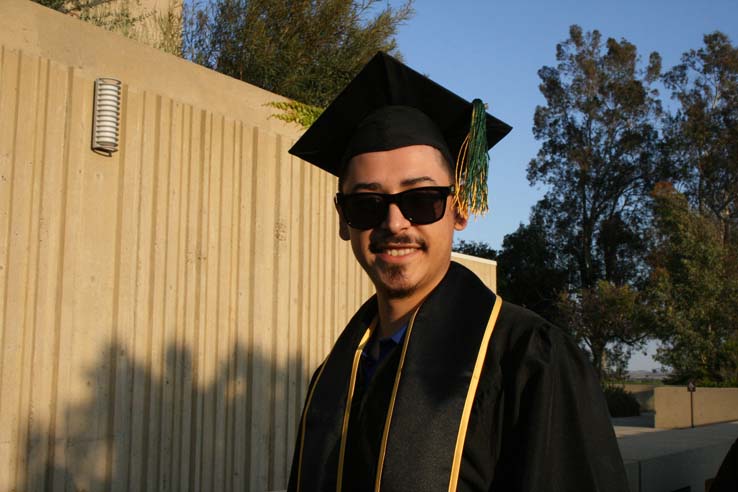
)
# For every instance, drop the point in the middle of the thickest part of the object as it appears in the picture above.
(419, 205)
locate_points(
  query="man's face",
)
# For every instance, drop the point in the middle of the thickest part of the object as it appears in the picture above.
(402, 259)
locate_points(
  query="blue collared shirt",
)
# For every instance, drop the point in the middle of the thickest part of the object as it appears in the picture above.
(369, 363)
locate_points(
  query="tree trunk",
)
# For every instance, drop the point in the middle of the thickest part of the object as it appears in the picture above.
(599, 359)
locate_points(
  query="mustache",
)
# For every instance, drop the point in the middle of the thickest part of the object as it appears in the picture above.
(379, 243)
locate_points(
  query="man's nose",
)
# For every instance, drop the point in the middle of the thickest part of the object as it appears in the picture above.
(395, 220)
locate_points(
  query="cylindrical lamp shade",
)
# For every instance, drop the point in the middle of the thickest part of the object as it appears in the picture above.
(106, 115)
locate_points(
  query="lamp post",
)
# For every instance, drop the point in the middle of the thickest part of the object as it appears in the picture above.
(691, 388)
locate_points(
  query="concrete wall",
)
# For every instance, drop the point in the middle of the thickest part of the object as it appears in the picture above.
(486, 269)
(160, 309)
(711, 405)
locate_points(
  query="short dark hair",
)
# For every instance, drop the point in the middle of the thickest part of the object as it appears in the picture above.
(344, 168)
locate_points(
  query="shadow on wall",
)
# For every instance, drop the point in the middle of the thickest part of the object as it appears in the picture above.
(160, 428)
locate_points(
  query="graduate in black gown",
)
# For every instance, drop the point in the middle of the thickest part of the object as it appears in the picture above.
(436, 383)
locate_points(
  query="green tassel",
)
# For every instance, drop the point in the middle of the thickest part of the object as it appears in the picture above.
(472, 164)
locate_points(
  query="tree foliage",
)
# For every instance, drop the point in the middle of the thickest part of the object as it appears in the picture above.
(598, 160)
(597, 156)
(530, 272)
(480, 249)
(296, 112)
(694, 291)
(620, 403)
(306, 50)
(701, 138)
(610, 321)
(693, 287)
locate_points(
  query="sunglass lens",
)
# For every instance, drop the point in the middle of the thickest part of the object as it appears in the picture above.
(364, 210)
(423, 206)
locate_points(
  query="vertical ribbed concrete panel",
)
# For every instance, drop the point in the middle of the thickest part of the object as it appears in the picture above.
(161, 310)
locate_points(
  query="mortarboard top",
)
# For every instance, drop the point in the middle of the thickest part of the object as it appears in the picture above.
(389, 105)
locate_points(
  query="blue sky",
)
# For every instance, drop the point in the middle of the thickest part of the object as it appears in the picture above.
(493, 50)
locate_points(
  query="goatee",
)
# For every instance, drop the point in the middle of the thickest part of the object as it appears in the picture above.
(396, 276)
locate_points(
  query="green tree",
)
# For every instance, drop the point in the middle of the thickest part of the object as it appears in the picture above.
(597, 156)
(306, 50)
(693, 291)
(530, 272)
(480, 249)
(610, 321)
(702, 135)
(598, 161)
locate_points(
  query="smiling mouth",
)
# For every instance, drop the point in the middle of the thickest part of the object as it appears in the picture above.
(397, 246)
(399, 252)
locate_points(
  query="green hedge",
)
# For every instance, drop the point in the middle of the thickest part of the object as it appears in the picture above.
(620, 402)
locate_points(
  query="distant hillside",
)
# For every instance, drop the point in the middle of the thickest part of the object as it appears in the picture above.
(653, 375)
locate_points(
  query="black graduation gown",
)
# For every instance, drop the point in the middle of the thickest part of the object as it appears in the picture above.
(538, 420)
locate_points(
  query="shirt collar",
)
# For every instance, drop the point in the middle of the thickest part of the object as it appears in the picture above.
(397, 337)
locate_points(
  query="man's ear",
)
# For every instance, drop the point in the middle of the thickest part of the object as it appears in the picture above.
(460, 220)
(343, 231)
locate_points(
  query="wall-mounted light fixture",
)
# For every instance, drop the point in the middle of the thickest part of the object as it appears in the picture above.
(106, 116)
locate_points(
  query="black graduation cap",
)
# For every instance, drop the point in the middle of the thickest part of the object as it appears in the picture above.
(389, 105)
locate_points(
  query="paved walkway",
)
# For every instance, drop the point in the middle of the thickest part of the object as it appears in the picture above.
(628, 426)
(643, 443)
(672, 459)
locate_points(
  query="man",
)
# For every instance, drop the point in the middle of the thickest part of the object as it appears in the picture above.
(436, 384)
